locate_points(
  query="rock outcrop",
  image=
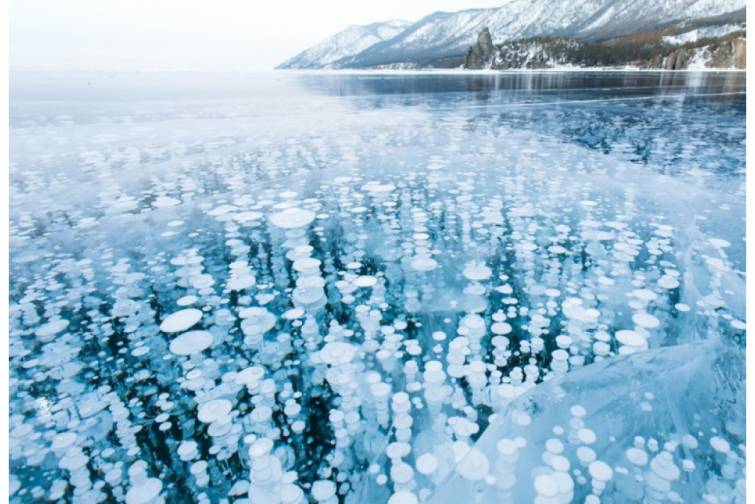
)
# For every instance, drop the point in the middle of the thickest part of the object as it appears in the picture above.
(482, 53)
(730, 53)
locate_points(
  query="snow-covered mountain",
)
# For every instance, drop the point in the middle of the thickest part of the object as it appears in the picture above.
(348, 42)
(441, 38)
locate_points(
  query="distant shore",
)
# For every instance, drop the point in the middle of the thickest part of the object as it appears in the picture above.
(462, 71)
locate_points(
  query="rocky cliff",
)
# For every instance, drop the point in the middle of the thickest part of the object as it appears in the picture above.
(481, 54)
(729, 53)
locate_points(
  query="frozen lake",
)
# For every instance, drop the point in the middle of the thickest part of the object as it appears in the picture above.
(287, 288)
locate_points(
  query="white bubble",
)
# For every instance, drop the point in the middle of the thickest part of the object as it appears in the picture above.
(546, 485)
(213, 410)
(292, 218)
(426, 463)
(474, 466)
(145, 492)
(46, 331)
(181, 320)
(190, 343)
(646, 320)
(600, 470)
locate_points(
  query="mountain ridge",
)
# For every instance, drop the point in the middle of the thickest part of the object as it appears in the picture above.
(351, 40)
(441, 39)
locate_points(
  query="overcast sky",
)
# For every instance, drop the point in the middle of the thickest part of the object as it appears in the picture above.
(190, 34)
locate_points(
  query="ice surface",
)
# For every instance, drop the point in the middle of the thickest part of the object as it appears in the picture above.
(378, 289)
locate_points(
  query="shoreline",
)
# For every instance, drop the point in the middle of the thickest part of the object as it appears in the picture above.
(459, 71)
(369, 71)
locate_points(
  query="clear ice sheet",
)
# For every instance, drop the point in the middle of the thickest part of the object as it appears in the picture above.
(378, 289)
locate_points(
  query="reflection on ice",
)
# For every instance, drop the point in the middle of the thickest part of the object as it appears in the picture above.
(342, 301)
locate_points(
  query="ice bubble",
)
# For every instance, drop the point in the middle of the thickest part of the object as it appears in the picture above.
(63, 440)
(365, 281)
(644, 319)
(187, 450)
(191, 342)
(585, 454)
(376, 187)
(260, 447)
(688, 465)
(397, 450)
(181, 320)
(663, 466)
(644, 294)
(247, 217)
(139, 351)
(165, 202)
(476, 271)
(293, 314)
(637, 456)
(221, 210)
(322, 490)
(474, 466)
(426, 463)
(554, 446)
(501, 328)
(560, 463)
(401, 473)
(689, 441)
(73, 459)
(719, 444)
(241, 282)
(214, 410)
(719, 243)
(186, 300)
(586, 436)
(631, 338)
(292, 218)
(738, 324)
(424, 263)
(600, 470)
(578, 411)
(668, 282)
(250, 376)
(291, 494)
(145, 492)
(546, 485)
(50, 329)
(403, 497)
(309, 291)
(573, 309)
(336, 352)
(306, 264)
(257, 320)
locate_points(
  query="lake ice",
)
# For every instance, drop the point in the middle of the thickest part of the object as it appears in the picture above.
(288, 288)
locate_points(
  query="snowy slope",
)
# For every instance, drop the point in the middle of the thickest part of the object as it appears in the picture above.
(701, 33)
(444, 34)
(348, 42)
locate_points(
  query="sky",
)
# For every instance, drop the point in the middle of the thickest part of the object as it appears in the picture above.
(209, 35)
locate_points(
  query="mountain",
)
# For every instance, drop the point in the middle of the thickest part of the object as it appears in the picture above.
(443, 38)
(713, 42)
(348, 42)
